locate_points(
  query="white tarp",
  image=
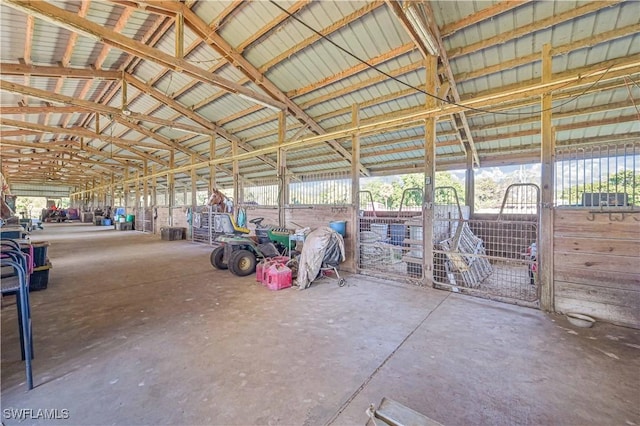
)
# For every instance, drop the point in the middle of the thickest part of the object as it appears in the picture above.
(322, 246)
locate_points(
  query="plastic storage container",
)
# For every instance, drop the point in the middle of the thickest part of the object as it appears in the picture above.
(40, 253)
(278, 277)
(381, 229)
(340, 226)
(398, 234)
(172, 233)
(39, 278)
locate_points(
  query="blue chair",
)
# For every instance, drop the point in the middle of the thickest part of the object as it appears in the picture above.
(18, 282)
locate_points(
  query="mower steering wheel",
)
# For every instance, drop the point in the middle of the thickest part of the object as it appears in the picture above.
(257, 221)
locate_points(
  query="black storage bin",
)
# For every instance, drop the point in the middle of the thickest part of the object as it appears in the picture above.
(172, 233)
(40, 253)
(39, 279)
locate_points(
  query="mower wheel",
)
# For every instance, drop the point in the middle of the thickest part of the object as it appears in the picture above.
(217, 256)
(242, 263)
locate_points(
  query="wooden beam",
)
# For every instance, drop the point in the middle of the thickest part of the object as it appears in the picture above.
(466, 137)
(28, 110)
(591, 40)
(193, 116)
(482, 15)
(57, 71)
(376, 61)
(563, 82)
(355, 188)
(296, 7)
(531, 28)
(230, 54)
(81, 132)
(335, 26)
(545, 246)
(179, 35)
(429, 168)
(63, 18)
(80, 105)
(400, 14)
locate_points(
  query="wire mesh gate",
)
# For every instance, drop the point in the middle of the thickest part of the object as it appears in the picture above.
(494, 258)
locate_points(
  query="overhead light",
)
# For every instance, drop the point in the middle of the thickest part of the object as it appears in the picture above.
(126, 111)
(264, 104)
(420, 27)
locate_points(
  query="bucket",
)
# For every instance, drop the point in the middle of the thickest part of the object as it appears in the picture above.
(106, 222)
(130, 218)
(398, 234)
(380, 229)
(340, 226)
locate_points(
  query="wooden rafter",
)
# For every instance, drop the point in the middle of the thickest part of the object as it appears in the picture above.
(80, 105)
(376, 61)
(535, 26)
(482, 15)
(230, 54)
(460, 120)
(66, 19)
(83, 133)
(296, 7)
(556, 51)
(57, 71)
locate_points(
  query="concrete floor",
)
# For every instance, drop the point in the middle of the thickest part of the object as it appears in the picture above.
(135, 330)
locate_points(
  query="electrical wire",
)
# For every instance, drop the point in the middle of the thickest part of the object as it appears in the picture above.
(373, 67)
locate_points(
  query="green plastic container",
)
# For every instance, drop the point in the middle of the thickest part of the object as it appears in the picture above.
(130, 218)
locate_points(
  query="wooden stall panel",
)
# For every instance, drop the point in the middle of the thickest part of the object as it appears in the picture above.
(575, 223)
(161, 220)
(597, 266)
(317, 216)
(270, 216)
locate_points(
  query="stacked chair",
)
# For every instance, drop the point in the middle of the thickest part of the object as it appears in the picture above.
(16, 267)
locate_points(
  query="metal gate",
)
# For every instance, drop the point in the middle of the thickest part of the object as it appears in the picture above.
(494, 257)
(143, 219)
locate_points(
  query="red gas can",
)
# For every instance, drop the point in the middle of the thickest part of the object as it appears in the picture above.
(264, 277)
(278, 277)
(260, 270)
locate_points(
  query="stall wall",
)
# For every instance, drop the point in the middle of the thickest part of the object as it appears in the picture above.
(312, 217)
(597, 265)
(161, 220)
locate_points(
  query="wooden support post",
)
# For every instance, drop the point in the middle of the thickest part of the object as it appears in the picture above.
(125, 189)
(283, 184)
(545, 247)
(194, 184)
(469, 183)
(136, 203)
(171, 194)
(236, 174)
(429, 172)
(355, 187)
(112, 191)
(124, 92)
(194, 191)
(179, 28)
(145, 185)
(97, 123)
(212, 169)
(93, 193)
(154, 187)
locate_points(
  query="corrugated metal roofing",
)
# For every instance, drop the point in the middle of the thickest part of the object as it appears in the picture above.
(369, 36)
